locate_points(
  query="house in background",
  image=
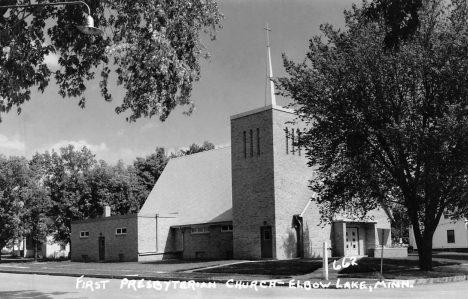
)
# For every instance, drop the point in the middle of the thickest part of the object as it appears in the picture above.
(449, 235)
(49, 249)
(247, 201)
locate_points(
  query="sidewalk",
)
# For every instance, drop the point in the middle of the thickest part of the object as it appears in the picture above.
(186, 271)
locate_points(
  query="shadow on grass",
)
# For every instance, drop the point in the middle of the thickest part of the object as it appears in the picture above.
(273, 267)
(176, 261)
(369, 264)
(29, 294)
(30, 260)
(451, 256)
(9, 259)
(412, 273)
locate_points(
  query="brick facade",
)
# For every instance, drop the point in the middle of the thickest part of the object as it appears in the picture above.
(253, 197)
(214, 244)
(270, 179)
(117, 247)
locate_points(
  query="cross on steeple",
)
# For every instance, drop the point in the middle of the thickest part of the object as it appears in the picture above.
(269, 72)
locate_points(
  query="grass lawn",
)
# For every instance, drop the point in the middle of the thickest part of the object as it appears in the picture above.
(412, 273)
(445, 265)
(273, 267)
(369, 264)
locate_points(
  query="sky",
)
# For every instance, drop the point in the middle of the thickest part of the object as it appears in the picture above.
(232, 81)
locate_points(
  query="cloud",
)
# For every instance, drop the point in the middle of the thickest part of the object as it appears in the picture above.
(223, 145)
(52, 61)
(101, 151)
(149, 126)
(121, 132)
(13, 143)
(127, 155)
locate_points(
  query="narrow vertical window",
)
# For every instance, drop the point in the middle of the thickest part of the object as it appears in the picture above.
(292, 141)
(245, 145)
(450, 236)
(251, 143)
(299, 141)
(287, 141)
(258, 141)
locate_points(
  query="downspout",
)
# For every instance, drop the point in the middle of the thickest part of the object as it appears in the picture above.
(157, 240)
(183, 238)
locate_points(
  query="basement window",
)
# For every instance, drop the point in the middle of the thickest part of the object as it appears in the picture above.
(200, 230)
(226, 228)
(121, 231)
(84, 234)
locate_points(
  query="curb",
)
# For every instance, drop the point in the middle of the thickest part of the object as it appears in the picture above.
(441, 279)
(279, 283)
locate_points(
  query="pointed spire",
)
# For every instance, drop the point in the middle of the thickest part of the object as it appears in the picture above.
(269, 73)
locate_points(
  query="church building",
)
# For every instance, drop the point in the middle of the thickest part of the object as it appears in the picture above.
(247, 201)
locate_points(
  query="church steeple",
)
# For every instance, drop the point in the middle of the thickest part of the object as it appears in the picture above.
(269, 74)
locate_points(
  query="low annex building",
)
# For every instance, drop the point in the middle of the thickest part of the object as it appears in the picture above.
(247, 201)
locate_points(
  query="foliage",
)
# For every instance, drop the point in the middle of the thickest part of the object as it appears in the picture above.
(23, 201)
(114, 186)
(155, 47)
(388, 127)
(400, 16)
(80, 187)
(401, 223)
(194, 148)
(13, 182)
(43, 196)
(65, 177)
(148, 171)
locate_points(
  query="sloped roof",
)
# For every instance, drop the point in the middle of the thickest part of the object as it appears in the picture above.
(196, 188)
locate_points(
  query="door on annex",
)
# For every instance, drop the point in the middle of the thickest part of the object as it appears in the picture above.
(102, 248)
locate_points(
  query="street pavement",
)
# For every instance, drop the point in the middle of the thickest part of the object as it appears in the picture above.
(60, 287)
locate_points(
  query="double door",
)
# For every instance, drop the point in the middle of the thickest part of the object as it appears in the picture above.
(352, 241)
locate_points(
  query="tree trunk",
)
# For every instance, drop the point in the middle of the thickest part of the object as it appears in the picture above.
(425, 254)
(35, 249)
(69, 249)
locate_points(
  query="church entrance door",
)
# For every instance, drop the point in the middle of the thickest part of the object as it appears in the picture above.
(352, 241)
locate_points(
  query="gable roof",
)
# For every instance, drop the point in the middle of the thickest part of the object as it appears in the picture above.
(196, 188)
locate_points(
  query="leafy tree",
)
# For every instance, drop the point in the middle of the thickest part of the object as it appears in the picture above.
(400, 223)
(148, 171)
(116, 186)
(400, 16)
(65, 178)
(195, 148)
(154, 45)
(388, 126)
(37, 204)
(17, 190)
